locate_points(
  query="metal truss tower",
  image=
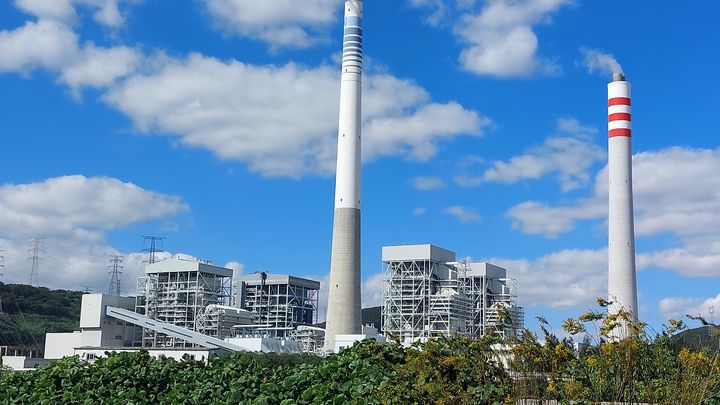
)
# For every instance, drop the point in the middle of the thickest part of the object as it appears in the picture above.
(34, 257)
(2, 265)
(114, 267)
(153, 243)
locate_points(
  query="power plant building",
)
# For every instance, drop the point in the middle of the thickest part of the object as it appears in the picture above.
(178, 291)
(428, 294)
(279, 303)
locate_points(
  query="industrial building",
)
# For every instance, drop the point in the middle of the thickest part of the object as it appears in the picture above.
(280, 304)
(183, 308)
(179, 291)
(428, 293)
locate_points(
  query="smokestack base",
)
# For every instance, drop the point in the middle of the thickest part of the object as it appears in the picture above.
(618, 77)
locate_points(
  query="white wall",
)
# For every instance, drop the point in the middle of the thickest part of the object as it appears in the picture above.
(93, 354)
(22, 362)
(59, 345)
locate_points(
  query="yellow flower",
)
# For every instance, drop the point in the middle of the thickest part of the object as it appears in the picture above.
(592, 361)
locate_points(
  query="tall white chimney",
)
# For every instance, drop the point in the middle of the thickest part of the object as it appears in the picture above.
(622, 283)
(344, 312)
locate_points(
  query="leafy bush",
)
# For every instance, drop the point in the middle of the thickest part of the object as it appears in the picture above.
(640, 368)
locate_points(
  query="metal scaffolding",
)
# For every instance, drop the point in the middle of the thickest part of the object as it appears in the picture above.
(281, 303)
(219, 320)
(177, 292)
(494, 297)
(311, 338)
(428, 294)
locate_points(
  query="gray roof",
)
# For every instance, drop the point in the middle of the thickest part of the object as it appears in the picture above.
(417, 252)
(279, 279)
(182, 265)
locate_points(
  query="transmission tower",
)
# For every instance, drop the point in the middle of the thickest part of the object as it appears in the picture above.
(114, 267)
(154, 243)
(34, 256)
(2, 267)
(711, 311)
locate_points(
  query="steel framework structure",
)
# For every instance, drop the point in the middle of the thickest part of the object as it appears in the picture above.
(419, 304)
(281, 303)
(495, 305)
(178, 298)
(426, 298)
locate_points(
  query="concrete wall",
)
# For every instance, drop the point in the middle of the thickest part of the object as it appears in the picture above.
(99, 330)
(59, 345)
(93, 353)
(22, 363)
(92, 312)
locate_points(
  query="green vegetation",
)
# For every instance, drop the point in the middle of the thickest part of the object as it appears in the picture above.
(645, 367)
(642, 368)
(442, 371)
(28, 313)
(370, 316)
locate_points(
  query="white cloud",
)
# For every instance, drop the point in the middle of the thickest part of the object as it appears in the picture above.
(537, 218)
(53, 46)
(500, 39)
(237, 267)
(73, 214)
(598, 61)
(677, 308)
(439, 9)
(105, 12)
(675, 192)
(696, 259)
(372, 291)
(45, 44)
(80, 207)
(419, 211)
(280, 23)
(58, 10)
(571, 155)
(100, 67)
(281, 121)
(580, 274)
(466, 215)
(427, 182)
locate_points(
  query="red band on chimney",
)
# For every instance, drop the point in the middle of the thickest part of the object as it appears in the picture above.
(619, 132)
(619, 117)
(619, 101)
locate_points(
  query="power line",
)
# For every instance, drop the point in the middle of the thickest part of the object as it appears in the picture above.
(114, 267)
(34, 252)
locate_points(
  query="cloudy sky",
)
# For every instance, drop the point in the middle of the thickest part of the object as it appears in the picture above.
(212, 123)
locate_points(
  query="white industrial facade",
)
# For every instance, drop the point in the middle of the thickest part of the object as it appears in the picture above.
(280, 303)
(178, 291)
(429, 294)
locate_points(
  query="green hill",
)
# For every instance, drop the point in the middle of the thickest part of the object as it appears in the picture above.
(370, 316)
(28, 313)
(697, 339)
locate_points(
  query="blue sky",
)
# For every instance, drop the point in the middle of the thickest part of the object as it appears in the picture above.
(211, 123)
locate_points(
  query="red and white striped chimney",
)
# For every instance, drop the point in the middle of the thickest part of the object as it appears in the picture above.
(622, 282)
